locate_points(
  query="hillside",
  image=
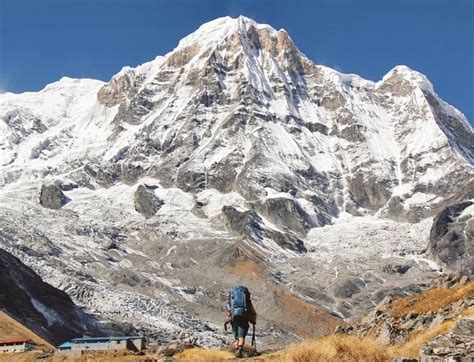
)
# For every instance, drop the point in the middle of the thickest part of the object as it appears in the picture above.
(10, 328)
(46, 310)
(438, 323)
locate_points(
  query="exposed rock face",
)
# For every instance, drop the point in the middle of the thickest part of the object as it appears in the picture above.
(457, 345)
(119, 89)
(369, 192)
(48, 311)
(52, 197)
(146, 202)
(236, 220)
(250, 225)
(287, 213)
(452, 238)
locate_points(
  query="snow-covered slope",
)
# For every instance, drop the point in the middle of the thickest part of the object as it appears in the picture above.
(238, 141)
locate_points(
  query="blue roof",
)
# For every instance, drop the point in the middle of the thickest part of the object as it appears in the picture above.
(104, 339)
(65, 345)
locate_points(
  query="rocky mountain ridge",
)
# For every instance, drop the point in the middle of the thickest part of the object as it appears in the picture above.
(233, 158)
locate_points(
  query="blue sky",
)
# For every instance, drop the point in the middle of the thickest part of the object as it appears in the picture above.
(43, 40)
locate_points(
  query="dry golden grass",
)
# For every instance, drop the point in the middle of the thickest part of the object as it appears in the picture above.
(19, 357)
(336, 347)
(208, 355)
(99, 356)
(431, 300)
(412, 347)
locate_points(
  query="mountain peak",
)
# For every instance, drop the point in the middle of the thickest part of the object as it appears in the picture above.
(218, 29)
(405, 73)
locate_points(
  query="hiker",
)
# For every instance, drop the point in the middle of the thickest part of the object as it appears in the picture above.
(240, 312)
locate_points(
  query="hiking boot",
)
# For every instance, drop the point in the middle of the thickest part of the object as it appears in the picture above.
(238, 352)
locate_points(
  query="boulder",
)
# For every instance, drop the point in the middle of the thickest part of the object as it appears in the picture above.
(387, 333)
(146, 202)
(52, 197)
(395, 268)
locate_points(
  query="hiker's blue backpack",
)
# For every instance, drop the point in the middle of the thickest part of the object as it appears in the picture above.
(238, 300)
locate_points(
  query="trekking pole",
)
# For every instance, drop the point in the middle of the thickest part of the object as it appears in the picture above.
(253, 337)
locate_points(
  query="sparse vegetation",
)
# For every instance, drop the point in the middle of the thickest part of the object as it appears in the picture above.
(336, 347)
(343, 347)
(413, 345)
(198, 354)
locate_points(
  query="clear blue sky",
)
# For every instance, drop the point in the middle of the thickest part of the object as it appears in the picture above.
(43, 40)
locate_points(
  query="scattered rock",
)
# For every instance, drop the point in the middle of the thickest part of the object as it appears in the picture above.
(386, 333)
(393, 328)
(395, 269)
(457, 345)
(385, 302)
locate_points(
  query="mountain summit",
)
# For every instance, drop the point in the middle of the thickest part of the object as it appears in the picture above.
(233, 157)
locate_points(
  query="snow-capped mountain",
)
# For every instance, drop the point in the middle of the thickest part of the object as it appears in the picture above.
(233, 156)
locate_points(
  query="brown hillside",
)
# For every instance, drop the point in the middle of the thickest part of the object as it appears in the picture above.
(10, 328)
(305, 319)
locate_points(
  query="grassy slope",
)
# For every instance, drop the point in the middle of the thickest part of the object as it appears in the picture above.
(432, 300)
(10, 328)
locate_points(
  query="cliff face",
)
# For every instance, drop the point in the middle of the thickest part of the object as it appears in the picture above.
(452, 238)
